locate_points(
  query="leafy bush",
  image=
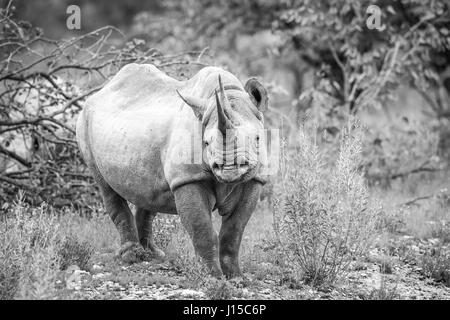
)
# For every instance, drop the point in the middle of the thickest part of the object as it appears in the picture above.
(361, 67)
(323, 219)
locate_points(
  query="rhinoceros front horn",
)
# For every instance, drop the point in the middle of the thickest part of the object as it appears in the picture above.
(223, 123)
(198, 105)
(223, 97)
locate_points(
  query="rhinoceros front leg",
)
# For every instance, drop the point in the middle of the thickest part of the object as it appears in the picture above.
(117, 207)
(232, 229)
(144, 223)
(193, 202)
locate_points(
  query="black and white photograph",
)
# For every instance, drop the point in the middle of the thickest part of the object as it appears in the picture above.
(250, 151)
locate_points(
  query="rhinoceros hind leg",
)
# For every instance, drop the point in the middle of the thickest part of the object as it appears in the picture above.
(144, 223)
(117, 207)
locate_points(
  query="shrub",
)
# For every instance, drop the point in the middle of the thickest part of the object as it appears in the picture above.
(386, 264)
(436, 264)
(220, 289)
(384, 292)
(323, 219)
(72, 251)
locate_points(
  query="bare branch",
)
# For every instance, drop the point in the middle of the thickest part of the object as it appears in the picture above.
(15, 183)
(14, 156)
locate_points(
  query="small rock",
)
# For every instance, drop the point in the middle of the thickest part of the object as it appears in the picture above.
(434, 241)
(96, 267)
(186, 293)
(76, 279)
(266, 291)
(101, 275)
(70, 269)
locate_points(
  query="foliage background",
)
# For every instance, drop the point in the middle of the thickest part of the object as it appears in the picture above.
(317, 58)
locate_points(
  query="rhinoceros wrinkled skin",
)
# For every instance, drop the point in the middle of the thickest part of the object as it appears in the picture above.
(177, 147)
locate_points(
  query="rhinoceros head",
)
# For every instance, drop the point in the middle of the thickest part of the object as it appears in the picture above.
(233, 129)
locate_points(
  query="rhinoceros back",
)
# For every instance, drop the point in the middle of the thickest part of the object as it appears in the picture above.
(124, 129)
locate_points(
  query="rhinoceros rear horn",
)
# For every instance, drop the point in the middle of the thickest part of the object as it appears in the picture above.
(198, 105)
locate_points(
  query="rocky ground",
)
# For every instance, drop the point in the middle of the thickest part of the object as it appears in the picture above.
(398, 275)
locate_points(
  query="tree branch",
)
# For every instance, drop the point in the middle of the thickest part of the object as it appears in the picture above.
(15, 156)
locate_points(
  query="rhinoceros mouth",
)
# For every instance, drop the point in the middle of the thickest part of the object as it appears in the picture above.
(230, 173)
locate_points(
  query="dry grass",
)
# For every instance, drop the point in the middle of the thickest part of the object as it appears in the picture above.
(384, 292)
(28, 251)
(97, 229)
(425, 222)
(429, 220)
(36, 243)
(180, 253)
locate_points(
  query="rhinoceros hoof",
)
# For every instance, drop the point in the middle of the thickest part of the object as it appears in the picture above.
(131, 252)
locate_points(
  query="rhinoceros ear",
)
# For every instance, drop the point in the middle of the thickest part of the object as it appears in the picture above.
(197, 105)
(257, 93)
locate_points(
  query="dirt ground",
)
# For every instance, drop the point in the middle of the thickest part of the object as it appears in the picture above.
(398, 276)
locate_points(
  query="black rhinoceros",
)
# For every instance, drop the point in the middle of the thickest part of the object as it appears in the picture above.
(177, 147)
